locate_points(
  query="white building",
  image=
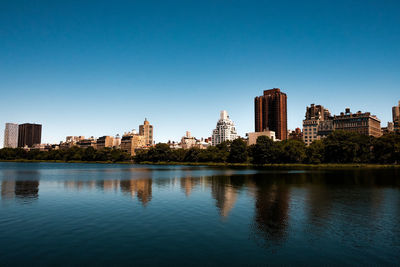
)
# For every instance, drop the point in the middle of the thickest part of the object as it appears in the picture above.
(11, 135)
(225, 130)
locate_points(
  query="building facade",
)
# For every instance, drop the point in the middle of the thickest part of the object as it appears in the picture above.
(225, 130)
(188, 141)
(270, 112)
(297, 134)
(319, 123)
(315, 115)
(29, 134)
(11, 135)
(104, 141)
(132, 141)
(396, 117)
(117, 141)
(147, 131)
(252, 137)
(87, 142)
(362, 123)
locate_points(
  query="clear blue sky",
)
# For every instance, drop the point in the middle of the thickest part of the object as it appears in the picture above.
(100, 67)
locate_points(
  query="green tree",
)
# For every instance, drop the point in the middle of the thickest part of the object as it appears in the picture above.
(238, 151)
(264, 151)
(292, 151)
(315, 152)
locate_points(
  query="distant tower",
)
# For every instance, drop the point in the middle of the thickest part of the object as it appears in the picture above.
(225, 130)
(29, 134)
(271, 112)
(147, 131)
(396, 117)
(11, 135)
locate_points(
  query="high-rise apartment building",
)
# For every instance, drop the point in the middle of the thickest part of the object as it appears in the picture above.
(225, 130)
(270, 112)
(396, 117)
(147, 131)
(11, 135)
(29, 134)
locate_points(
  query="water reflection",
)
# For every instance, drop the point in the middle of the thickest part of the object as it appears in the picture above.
(22, 185)
(224, 193)
(335, 202)
(142, 188)
(271, 210)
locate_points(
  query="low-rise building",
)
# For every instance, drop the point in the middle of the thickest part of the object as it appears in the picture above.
(297, 134)
(389, 129)
(188, 141)
(252, 137)
(71, 141)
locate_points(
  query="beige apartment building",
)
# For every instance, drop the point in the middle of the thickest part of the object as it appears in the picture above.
(252, 137)
(132, 141)
(105, 141)
(146, 130)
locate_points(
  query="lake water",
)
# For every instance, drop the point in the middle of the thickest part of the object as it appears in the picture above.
(100, 214)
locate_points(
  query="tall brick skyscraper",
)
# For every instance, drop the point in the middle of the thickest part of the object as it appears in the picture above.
(271, 113)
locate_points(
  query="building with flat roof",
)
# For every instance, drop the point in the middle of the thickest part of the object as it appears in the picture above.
(319, 123)
(86, 143)
(362, 123)
(11, 135)
(104, 141)
(29, 134)
(270, 112)
(132, 141)
(252, 137)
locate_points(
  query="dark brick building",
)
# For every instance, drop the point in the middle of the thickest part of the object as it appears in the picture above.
(271, 112)
(29, 134)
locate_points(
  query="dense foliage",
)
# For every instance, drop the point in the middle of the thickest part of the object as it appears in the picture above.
(339, 147)
(71, 154)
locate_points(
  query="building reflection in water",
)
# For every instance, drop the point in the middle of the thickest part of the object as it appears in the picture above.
(224, 194)
(7, 190)
(272, 199)
(188, 184)
(139, 187)
(25, 187)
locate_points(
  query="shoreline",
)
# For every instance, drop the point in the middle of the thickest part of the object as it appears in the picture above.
(222, 164)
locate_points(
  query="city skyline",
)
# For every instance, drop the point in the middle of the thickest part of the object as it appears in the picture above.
(99, 69)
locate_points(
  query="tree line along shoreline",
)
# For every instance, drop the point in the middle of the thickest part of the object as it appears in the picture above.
(339, 148)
